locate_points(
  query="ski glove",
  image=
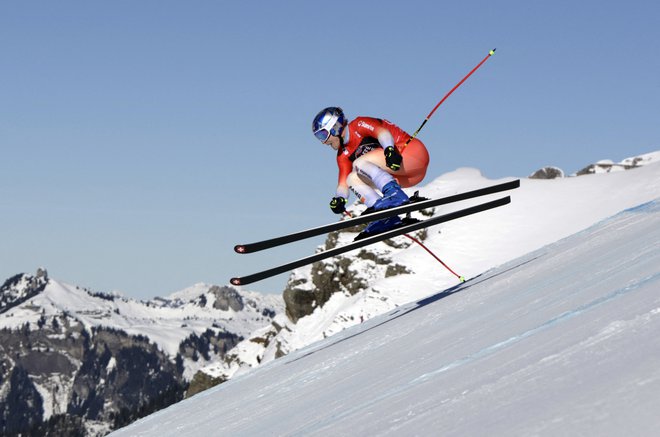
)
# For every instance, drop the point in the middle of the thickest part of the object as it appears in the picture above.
(338, 205)
(393, 158)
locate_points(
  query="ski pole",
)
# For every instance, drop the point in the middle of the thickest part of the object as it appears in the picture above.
(491, 53)
(460, 278)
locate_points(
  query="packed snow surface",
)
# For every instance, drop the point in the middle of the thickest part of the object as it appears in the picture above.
(561, 341)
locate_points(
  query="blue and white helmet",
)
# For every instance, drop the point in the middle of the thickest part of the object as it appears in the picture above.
(330, 121)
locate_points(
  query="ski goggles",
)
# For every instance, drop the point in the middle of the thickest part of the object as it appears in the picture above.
(322, 135)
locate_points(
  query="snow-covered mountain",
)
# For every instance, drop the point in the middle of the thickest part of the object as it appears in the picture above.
(561, 341)
(165, 321)
(73, 360)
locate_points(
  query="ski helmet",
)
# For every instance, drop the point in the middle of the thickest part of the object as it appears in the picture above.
(330, 121)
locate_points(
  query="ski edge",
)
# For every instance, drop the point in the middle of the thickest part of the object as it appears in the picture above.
(301, 235)
(249, 279)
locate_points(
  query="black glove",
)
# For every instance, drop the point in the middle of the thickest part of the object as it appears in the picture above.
(338, 205)
(393, 158)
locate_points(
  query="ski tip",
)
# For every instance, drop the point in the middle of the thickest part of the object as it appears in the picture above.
(235, 281)
(239, 248)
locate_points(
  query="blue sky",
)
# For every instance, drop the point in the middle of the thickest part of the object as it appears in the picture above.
(141, 140)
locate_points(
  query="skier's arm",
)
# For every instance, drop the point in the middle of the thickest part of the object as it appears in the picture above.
(385, 138)
(338, 203)
(393, 158)
(377, 128)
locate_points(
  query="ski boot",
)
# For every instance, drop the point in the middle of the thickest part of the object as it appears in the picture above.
(393, 196)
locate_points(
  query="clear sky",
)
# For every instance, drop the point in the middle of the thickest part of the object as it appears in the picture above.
(141, 140)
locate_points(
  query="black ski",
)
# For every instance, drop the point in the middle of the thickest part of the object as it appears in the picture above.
(369, 240)
(403, 209)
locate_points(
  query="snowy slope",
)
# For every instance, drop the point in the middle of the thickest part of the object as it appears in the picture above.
(562, 341)
(541, 212)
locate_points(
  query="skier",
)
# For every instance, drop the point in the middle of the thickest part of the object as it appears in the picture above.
(371, 156)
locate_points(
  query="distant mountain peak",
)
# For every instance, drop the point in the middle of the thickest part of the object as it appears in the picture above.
(20, 288)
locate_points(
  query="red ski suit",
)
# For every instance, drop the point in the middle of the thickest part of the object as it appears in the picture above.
(363, 138)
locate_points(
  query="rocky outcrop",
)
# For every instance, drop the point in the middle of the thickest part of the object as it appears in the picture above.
(226, 298)
(604, 167)
(209, 343)
(202, 381)
(547, 173)
(21, 288)
(337, 275)
(608, 166)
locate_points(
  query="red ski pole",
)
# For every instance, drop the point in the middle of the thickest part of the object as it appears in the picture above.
(460, 278)
(491, 53)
